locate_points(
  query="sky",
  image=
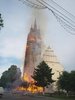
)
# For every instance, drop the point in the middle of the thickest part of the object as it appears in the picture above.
(18, 19)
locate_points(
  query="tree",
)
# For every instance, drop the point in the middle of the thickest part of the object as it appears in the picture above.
(72, 81)
(67, 81)
(1, 22)
(9, 77)
(42, 75)
(63, 81)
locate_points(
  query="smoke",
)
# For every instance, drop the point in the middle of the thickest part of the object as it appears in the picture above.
(18, 80)
(31, 58)
(41, 19)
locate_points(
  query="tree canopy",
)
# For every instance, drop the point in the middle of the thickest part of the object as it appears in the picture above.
(10, 76)
(67, 81)
(43, 75)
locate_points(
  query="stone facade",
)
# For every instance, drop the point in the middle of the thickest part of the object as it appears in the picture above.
(51, 60)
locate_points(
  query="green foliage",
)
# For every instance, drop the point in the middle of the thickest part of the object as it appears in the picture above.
(43, 75)
(67, 81)
(1, 22)
(64, 81)
(9, 76)
(72, 81)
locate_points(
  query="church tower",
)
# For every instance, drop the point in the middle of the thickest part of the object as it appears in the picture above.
(33, 51)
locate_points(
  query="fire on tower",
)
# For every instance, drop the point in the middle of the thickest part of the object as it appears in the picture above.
(33, 51)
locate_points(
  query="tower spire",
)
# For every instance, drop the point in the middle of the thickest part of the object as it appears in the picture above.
(35, 25)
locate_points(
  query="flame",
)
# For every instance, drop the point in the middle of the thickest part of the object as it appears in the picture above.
(26, 78)
(32, 88)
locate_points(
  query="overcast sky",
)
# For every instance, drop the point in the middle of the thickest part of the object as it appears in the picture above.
(18, 19)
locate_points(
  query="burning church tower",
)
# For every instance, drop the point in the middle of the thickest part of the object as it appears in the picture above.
(33, 51)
